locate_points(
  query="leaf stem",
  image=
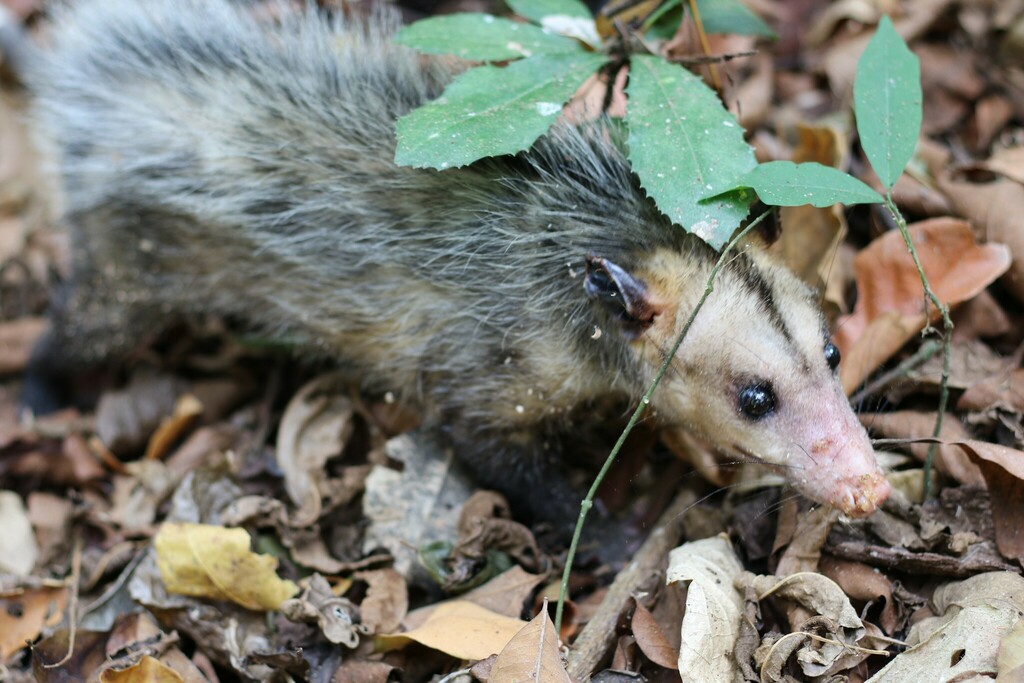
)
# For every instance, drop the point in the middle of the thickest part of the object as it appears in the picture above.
(947, 333)
(588, 501)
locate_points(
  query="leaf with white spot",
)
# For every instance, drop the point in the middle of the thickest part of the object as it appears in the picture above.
(685, 146)
(489, 111)
(483, 37)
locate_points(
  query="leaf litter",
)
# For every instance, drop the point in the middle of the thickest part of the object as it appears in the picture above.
(341, 500)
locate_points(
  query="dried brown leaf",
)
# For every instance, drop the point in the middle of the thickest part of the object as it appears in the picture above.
(532, 655)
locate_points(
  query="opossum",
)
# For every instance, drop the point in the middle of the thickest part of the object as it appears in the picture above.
(214, 162)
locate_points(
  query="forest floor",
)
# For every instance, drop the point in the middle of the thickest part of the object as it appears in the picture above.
(139, 522)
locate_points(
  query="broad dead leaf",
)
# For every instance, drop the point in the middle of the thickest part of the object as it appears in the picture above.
(652, 640)
(531, 655)
(713, 607)
(460, 629)
(386, 601)
(215, 562)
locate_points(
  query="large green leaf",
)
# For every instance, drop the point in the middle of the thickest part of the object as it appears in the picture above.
(483, 37)
(717, 16)
(731, 16)
(685, 146)
(490, 111)
(887, 102)
(783, 183)
(536, 10)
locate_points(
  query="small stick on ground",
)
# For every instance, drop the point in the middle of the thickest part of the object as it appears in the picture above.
(647, 566)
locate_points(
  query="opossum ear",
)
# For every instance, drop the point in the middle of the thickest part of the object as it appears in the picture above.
(622, 295)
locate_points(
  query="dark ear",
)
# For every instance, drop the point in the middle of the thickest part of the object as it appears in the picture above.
(622, 295)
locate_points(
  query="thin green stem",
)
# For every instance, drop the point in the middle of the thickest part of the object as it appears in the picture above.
(947, 334)
(588, 502)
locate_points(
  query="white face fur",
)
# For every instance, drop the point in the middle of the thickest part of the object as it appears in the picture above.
(756, 376)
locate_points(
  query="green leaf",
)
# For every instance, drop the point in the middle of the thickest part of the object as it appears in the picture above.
(490, 111)
(569, 18)
(731, 16)
(887, 102)
(482, 37)
(783, 183)
(684, 146)
(536, 10)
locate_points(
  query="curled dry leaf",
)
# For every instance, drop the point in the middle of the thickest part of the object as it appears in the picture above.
(460, 629)
(865, 583)
(315, 427)
(186, 409)
(147, 670)
(713, 607)
(888, 283)
(1002, 392)
(335, 616)
(215, 562)
(531, 655)
(963, 642)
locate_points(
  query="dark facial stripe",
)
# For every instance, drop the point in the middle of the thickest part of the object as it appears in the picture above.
(752, 277)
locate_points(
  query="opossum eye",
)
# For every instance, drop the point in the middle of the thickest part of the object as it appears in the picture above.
(832, 355)
(757, 400)
(621, 294)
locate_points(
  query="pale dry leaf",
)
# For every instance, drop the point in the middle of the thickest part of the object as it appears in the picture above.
(506, 593)
(975, 615)
(18, 548)
(532, 655)
(316, 425)
(460, 629)
(710, 625)
(214, 562)
(386, 601)
(1010, 664)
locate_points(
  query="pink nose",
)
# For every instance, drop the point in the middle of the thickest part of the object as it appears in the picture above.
(860, 496)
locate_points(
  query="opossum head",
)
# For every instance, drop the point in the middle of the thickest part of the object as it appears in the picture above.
(756, 372)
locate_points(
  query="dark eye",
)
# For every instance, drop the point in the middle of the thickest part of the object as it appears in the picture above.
(832, 355)
(757, 400)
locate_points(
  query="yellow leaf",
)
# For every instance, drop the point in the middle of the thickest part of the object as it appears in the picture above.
(147, 670)
(460, 629)
(215, 562)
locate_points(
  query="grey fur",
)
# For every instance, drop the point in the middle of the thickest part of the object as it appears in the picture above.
(217, 163)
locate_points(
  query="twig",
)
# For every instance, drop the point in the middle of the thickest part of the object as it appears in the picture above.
(705, 45)
(711, 59)
(598, 636)
(927, 350)
(588, 502)
(947, 334)
(76, 574)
